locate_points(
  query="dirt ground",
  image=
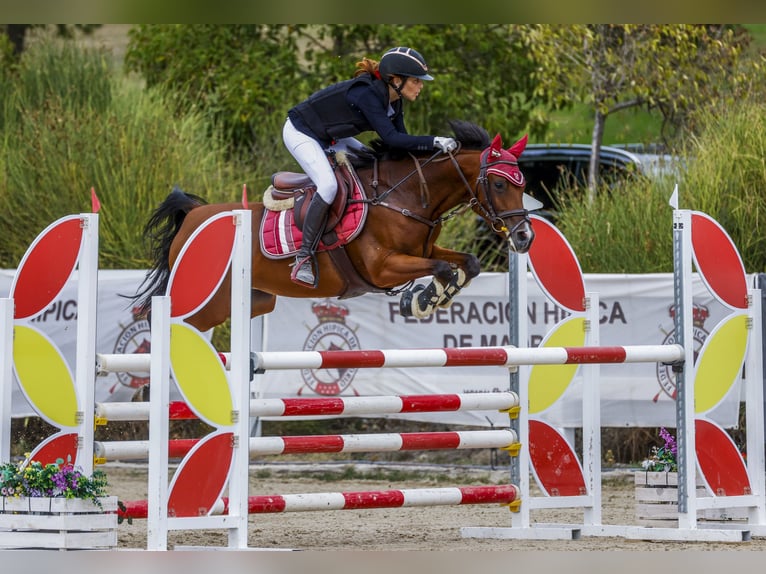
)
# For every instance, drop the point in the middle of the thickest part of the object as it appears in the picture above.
(410, 529)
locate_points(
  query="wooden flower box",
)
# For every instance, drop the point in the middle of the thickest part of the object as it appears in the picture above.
(58, 523)
(657, 499)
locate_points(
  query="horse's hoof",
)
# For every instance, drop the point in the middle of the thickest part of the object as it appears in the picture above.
(405, 303)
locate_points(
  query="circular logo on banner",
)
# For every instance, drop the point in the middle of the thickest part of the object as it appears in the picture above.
(331, 334)
(134, 338)
(665, 375)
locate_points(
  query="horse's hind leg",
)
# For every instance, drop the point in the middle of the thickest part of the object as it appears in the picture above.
(261, 303)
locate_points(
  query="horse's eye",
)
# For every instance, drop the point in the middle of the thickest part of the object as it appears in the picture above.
(499, 185)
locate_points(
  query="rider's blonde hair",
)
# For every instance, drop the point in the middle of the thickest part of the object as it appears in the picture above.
(366, 66)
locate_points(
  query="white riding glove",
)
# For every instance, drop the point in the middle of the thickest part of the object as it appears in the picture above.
(445, 144)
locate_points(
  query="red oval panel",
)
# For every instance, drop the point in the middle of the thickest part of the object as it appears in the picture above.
(556, 267)
(58, 446)
(200, 479)
(555, 464)
(46, 266)
(719, 460)
(201, 266)
(718, 261)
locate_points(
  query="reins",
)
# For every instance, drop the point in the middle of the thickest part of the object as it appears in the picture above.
(380, 199)
(488, 212)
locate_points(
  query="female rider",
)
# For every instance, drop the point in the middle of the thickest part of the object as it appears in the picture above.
(330, 118)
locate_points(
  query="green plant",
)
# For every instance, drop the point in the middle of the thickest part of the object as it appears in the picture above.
(55, 480)
(663, 458)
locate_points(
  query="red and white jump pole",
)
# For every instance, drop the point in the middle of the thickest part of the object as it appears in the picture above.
(467, 357)
(451, 496)
(349, 406)
(274, 445)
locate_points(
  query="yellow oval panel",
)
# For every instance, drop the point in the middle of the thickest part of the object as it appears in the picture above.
(200, 375)
(548, 382)
(44, 376)
(719, 363)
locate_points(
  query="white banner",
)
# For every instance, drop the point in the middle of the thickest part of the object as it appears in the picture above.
(635, 310)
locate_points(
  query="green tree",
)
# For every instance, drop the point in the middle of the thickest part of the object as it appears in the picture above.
(238, 75)
(247, 76)
(671, 69)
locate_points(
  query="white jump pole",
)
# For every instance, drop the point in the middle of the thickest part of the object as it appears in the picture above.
(6, 377)
(240, 375)
(87, 310)
(756, 461)
(159, 425)
(138, 363)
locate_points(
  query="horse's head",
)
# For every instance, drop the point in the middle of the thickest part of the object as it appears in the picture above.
(500, 194)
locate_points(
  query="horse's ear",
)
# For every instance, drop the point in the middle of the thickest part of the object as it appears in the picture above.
(496, 146)
(517, 148)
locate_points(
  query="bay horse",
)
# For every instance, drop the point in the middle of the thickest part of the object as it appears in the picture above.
(408, 198)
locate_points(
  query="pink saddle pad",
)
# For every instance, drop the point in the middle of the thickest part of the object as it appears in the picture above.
(280, 237)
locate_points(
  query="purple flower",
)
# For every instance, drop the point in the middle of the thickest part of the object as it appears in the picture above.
(59, 480)
(670, 441)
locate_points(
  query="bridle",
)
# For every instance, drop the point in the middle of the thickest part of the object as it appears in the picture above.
(489, 212)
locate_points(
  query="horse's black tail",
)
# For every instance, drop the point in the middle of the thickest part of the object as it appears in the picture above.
(159, 232)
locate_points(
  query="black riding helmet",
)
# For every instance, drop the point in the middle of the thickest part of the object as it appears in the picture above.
(402, 61)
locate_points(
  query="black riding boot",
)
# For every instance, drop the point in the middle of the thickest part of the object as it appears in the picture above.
(313, 227)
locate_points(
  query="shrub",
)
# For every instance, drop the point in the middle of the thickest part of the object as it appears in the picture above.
(125, 142)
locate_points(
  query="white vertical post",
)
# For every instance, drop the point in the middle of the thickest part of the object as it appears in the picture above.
(519, 291)
(85, 367)
(239, 376)
(756, 466)
(159, 403)
(591, 416)
(6, 377)
(682, 279)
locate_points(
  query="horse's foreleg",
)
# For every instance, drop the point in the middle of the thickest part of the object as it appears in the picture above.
(451, 271)
(466, 268)
(455, 285)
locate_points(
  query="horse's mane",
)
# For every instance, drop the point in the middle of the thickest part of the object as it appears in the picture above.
(470, 136)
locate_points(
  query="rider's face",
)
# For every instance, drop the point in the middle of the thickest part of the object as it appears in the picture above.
(410, 88)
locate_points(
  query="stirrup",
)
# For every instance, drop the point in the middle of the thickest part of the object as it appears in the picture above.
(303, 265)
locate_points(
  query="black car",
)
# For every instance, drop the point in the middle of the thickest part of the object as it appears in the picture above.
(551, 168)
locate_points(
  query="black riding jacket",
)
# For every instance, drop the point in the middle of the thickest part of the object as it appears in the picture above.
(351, 107)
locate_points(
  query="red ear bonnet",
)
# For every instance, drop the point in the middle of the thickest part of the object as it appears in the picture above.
(505, 162)
(518, 148)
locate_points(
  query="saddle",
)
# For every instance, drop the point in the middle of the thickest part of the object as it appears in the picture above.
(292, 190)
(287, 199)
(286, 202)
